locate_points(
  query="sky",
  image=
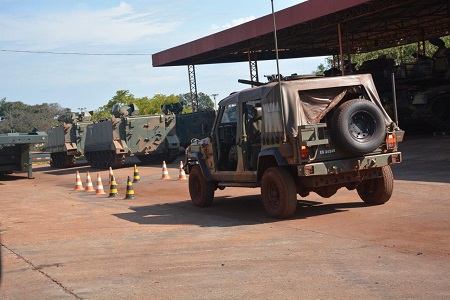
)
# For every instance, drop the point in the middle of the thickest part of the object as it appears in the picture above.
(136, 29)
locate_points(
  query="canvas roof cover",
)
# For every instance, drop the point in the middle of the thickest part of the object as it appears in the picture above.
(304, 101)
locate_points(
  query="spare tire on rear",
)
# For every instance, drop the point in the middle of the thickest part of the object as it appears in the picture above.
(358, 126)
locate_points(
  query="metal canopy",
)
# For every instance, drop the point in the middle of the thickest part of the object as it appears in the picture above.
(311, 29)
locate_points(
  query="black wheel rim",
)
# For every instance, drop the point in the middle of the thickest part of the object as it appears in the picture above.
(361, 126)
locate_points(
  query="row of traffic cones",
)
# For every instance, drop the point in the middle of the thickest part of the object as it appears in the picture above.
(165, 173)
(113, 192)
(112, 183)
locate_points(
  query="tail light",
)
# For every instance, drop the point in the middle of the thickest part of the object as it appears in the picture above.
(304, 152)
(391, 141)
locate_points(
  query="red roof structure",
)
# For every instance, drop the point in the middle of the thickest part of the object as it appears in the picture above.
(317, 28)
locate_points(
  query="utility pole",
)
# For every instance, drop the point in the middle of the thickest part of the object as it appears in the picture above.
(215, 103)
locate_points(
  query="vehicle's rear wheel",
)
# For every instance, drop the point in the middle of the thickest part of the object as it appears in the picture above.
(358, 126)
(278, 193)
(201, 190)
(377, 190)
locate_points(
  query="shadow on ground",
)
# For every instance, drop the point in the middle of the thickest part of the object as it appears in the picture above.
(225, 212)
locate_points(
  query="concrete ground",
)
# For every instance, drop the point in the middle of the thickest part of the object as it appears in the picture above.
(60, 244)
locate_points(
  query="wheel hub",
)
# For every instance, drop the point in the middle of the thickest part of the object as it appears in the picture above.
(361, 126)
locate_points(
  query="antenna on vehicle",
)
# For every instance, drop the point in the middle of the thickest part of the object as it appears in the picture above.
(278, 72)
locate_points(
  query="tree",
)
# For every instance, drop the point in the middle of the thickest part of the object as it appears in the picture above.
(122, 97)
(145, 105)
(320, 69)
(20, 117)
(401, 54)
(204, 102)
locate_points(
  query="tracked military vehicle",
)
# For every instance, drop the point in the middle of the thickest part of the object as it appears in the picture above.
(422, 88)
(315, 135)
(191, 125)
(151, 138)
(66, 142)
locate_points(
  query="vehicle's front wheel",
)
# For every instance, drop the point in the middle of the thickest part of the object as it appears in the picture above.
(201, 191)
(278, 193)
(377, 190)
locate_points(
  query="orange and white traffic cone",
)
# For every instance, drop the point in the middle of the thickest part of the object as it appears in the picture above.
(182, 174)
(99, 190)
(78, 183)
(89, 187)
(165, 173)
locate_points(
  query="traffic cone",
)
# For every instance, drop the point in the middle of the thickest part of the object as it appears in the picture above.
(136, 177)
(113, 188)
(89, 187)
(78, 183)
(165, 173)
(130, 191)
(182, 174)
(111, 174)
(99, 190)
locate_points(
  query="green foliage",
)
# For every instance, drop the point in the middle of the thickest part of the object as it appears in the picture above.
(20, 117)
(159, 99)
(146, 106)
(204, 102)
(320, 69)
(401, 54)
(122, 97)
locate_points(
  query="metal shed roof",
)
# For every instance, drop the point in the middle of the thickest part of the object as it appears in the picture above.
(311, 29)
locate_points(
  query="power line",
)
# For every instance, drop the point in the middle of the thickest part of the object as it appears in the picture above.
(74, 53)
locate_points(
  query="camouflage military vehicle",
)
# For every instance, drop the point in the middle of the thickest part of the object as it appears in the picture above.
(194, 125)
(151, 138)
(66, 142)
(316, 135)
(191, 125)
(422, 88)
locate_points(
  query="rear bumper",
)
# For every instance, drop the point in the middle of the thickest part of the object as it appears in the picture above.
(349, 165)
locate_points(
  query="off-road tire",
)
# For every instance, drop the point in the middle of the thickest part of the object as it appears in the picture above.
(358, 126)
(201, 191)
(377, 190)
(278, 193)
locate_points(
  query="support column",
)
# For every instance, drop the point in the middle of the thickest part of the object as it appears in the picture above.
(253, 65)
(193, 88)
(341, 49)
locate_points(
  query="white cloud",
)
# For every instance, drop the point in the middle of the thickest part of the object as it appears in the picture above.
(112, 26)
(233, 23)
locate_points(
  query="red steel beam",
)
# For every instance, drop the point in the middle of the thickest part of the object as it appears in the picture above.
(288, 17)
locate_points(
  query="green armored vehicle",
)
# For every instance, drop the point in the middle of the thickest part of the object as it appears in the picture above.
(190, 125)
(316, 135)
(151, 138)
(66, 142)
(194, 125)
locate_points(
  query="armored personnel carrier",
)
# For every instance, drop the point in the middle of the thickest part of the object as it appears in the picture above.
(191, 125)
(296, 137)
(422, 88)
(151, 138)
(66, 142)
